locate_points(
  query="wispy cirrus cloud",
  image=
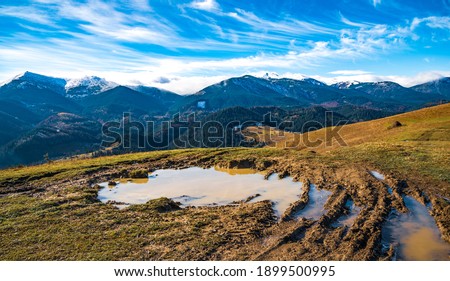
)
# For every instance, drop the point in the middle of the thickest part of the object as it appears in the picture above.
(285, 26)
(106, 20)
(349, 72)
(134, 65)
(432, 22)
(138, 40)
(29, 14)
(206, 5)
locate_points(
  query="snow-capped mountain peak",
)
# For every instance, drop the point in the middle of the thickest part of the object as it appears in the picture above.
(34, 78)
(90, 82)
(347, 84)
(271, 75)
(27, 79)
(88, 85)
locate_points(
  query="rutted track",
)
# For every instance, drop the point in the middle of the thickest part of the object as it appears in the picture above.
(260, 236)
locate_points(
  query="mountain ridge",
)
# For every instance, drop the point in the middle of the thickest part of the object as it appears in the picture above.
(33, 104)
(269, 76)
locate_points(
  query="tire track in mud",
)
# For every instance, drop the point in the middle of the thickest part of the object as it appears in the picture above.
(294, 237)
(319, 239)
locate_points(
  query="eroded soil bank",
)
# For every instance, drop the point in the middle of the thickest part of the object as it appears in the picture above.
(56, 217)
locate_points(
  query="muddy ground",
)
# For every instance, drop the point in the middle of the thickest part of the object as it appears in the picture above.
(246, 231)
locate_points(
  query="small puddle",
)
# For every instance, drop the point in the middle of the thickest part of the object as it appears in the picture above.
(205, 187)
(415, 233)
(348, 219)
(315, 207)
(380, 177)
(377, 175)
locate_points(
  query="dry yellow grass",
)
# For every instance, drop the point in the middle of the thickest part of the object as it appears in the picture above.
(429, 124)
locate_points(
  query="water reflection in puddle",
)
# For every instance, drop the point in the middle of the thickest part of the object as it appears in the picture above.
(315, 207)
(415, 233)
(348, 219)
(132, 180)
(233, 172)
(205, 187)
(380, 177)
(377, 175)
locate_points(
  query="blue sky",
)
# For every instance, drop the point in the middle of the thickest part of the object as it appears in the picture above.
(186, 45)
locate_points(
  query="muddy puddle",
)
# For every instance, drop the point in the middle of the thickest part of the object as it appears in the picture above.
(414, 234)
(349, 218)
(377, 175)
(315, 207)
(205, 187)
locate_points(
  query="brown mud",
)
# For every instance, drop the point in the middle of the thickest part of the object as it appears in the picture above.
(249, 231)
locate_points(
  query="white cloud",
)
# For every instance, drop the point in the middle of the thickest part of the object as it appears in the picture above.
(351, 23)
(85, 55)
(284, 26)
(349, 72)
(27, 13)
(143, 5)
(99, 49)
(432, 22)
(422, 77)
(184, 75)
(206, 5)
(105, 22)
(376, 2)
(103, 19)
(190, 85)
(130, 34)
(406, 81)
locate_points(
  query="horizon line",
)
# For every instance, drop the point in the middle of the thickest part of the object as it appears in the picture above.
(329, 81)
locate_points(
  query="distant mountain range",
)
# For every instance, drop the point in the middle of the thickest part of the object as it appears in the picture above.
(62, 117)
